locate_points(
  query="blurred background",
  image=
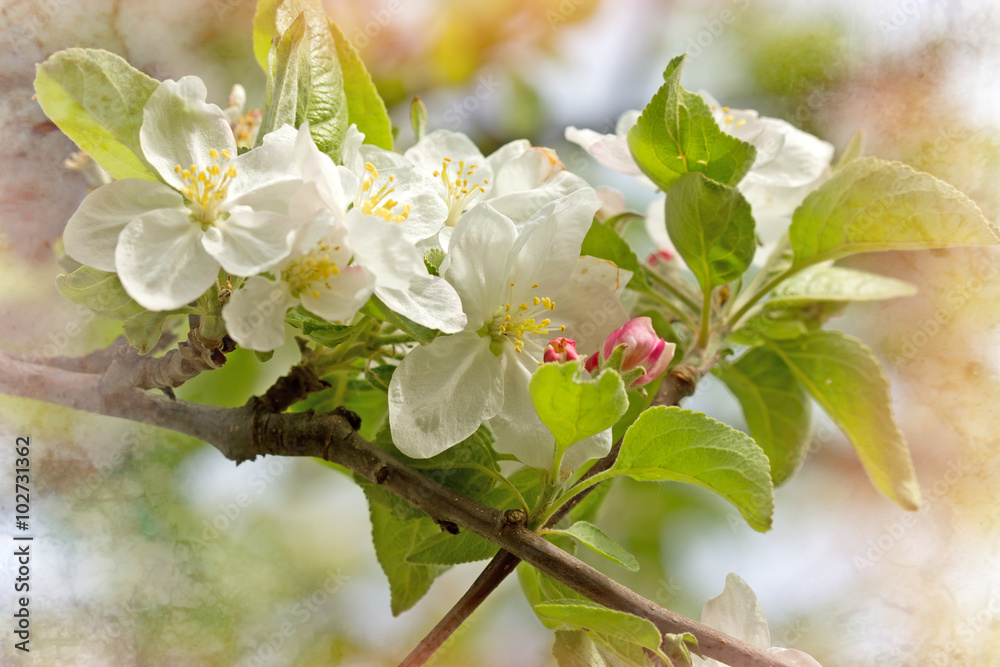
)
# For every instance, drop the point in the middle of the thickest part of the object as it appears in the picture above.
(152, 549)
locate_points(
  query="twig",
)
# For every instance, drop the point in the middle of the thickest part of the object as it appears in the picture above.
(244, 433)
(679, 384)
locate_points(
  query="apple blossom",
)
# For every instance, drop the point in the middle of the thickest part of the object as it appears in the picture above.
(167, 240)
(644, 355)
(560, 350)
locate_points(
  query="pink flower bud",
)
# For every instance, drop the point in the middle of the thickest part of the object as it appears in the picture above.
(660, 257)
(560, 350)
(591, 363)
(642, 348)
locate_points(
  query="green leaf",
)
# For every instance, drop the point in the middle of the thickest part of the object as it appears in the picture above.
(681, 445)
(854, 148)
(96, 99)
(365, 107)
(380, 376)
(574, 648)
(326, 108)
(539, 588)
(316, 328)
(393, 538)
(444, 548)
(574, 408)
(676, 134)
(418, 117)
(143, 330)
(597, 541)
(712, 229)
(836, 283)
(602, 242)
(287, 96)
(777, 409)
(623, 632)
(100, 291)
(778, 325)
(870, 204)
(844, 377)
(383, 313)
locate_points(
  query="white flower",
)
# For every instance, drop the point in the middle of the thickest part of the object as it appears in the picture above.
(167, 240)
(789, 165)
(737, 613)
(520, 286)
(517, 179)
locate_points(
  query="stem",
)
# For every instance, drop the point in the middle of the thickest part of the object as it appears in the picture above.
(673, 289)
(706, 319)
(734, 320)
(674, 309)
(679, 384)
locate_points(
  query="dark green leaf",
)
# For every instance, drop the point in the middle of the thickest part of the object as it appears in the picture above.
(602, 242)
(316, 328)
(365, 107)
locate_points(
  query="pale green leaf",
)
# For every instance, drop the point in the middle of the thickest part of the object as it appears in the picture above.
(574, 408)
(326, 109)
(632, 633)
(575, 648)
(597, 541)
(668, 443)
(602, 242)
(101, 291)
(393, 538)
(676, 134)
(539, 588)
(854, 149)
(317, 329)
(96, 99)
(870, 205)
(143, 330)
(365, 107)
(288, 86)
(837, 283)
(711, 227)
(844, 377)
(777, 409)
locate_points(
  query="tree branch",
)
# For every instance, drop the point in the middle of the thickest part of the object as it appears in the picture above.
(677, 385)
(244, 433)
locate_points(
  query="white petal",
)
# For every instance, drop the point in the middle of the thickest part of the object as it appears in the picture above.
(350, 149)
(736, 612)
(381, 248)
(255, 314)
(588, 303)
(179, 128)
(517, 428)
(161, 262)
(441, 393)
(795, 657)
(346, 294)
(264, 167)
(800, 159)
(549, 244)
(656, 227)
(476, 264)
(334, 186)
(92, 232)
(250, 242)
(509, 151)
(612, 202)
(594, 447)
(430, 152)
(611, 150)
(520, 205)
(428, 300)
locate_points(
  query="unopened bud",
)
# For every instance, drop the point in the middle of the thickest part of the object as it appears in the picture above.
(644, 356)
(560, 350)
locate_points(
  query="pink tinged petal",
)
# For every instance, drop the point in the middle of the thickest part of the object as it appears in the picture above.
(516, 427)
(736, 612)
(611, 150)
(161, 262)
(340, 297)
(560, 350)
(476, 264)
(429, 301)
(92, 232)
(794, 657)
(381, 248)
(179, 128)
(250, 242)
(442, 392)
(612, 202)
(255, 314)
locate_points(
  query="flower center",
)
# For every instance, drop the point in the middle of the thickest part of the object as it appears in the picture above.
(310, 271)
(729, 120)
(460, 192)
(378, 202)
(206, 188)
(519, 324)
